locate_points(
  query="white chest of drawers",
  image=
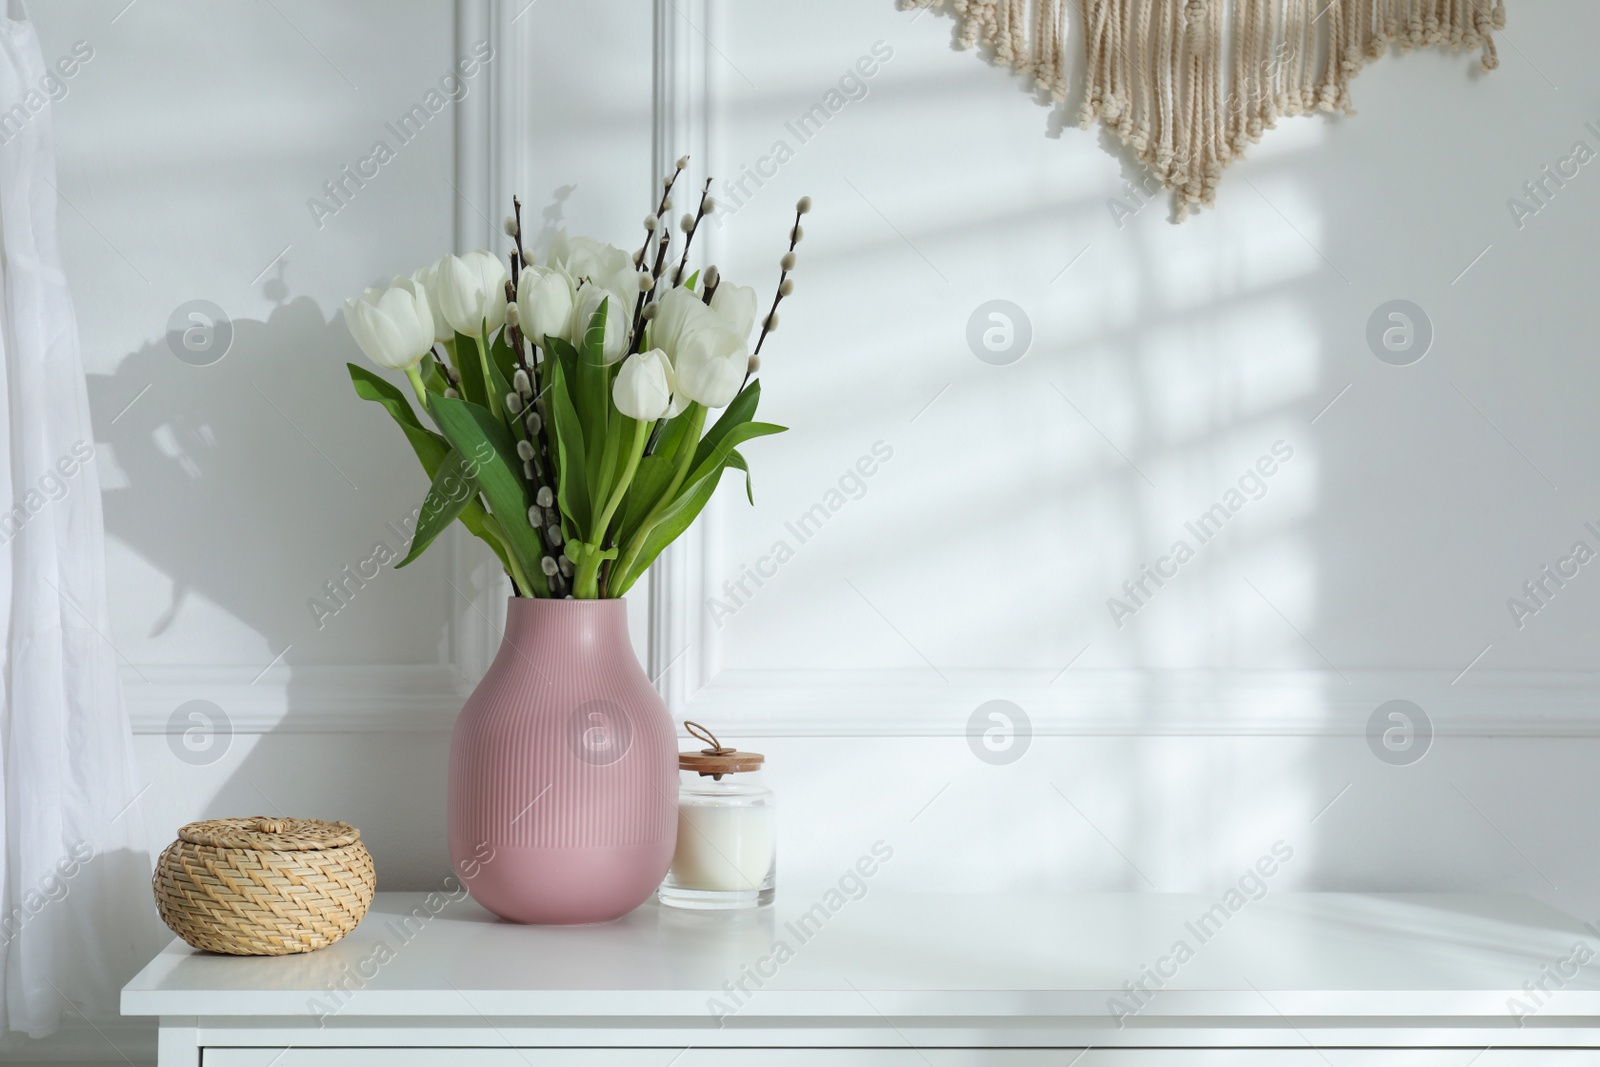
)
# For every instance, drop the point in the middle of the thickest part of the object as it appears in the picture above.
(909, 980)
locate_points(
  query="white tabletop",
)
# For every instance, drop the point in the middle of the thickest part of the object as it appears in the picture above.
(909, 956)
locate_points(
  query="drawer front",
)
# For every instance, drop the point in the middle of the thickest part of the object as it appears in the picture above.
(890, 1057)
(638, 1057)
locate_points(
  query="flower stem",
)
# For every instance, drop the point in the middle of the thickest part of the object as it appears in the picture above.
(641, 430)
(691, 439)
(416, 383)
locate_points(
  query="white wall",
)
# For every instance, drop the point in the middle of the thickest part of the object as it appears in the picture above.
(1165, 361)
(984, 551)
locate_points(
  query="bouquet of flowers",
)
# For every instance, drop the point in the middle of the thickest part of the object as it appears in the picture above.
(568, 400)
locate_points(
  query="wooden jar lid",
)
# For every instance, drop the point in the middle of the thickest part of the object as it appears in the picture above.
(718, 759)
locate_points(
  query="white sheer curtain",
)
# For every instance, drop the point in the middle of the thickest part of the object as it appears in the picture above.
(74, 875)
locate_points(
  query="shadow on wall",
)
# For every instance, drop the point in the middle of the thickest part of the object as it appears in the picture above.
(250, 483)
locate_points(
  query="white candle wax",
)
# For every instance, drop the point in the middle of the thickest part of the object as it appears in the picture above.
(724, 846)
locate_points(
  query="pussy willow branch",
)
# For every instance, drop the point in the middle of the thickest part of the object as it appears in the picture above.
(777, 298)
(516, 213)
(699, 213)
(543, 457)
(662, 207)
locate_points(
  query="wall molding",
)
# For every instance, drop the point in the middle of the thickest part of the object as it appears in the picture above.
(683, 654)
(894, 703)
(680, 649)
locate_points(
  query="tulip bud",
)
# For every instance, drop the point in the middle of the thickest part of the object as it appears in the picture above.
(644, 384)
(535, 517)
(545, 297)
(787, 262)
(394, 326)
(519, 382)
(802, 205)
(549, 566)
(786, 287)
(510, 225)
(544, 498)
(472, 292)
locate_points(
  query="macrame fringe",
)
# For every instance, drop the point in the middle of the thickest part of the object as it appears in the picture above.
(1186, 95)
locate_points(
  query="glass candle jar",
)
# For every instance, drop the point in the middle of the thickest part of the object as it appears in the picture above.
(726, 855)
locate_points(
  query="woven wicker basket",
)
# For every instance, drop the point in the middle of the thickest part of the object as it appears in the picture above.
(264, 887)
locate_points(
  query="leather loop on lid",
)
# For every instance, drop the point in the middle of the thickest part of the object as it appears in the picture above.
(717, 760)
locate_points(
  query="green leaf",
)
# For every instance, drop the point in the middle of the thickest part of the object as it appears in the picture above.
(649, 482)
(676, 519)
(737, 461)
(731, 440)
(570, 485)
(483, 440)
(431, 448)
(454, 487)
(672, 435)
(433, 378)
(501, 357)
(564, 354)
(469, 368)
(615, 457)
(591, 396)
(693, 278)
(737, 413)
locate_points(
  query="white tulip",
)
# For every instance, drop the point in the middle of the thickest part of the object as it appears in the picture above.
(678, 310)
(394, 326)
(643, 389)
(618, 312)
(584, 258)
(545, 298)
(428, 279)
(710, 363)
(472, 291)
(737, 306)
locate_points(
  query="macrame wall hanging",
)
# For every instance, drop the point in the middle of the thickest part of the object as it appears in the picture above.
(1187, 84)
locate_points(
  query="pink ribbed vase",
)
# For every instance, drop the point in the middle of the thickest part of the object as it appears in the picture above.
(563, 770)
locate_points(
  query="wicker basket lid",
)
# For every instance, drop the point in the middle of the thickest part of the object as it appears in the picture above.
(266, 834)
